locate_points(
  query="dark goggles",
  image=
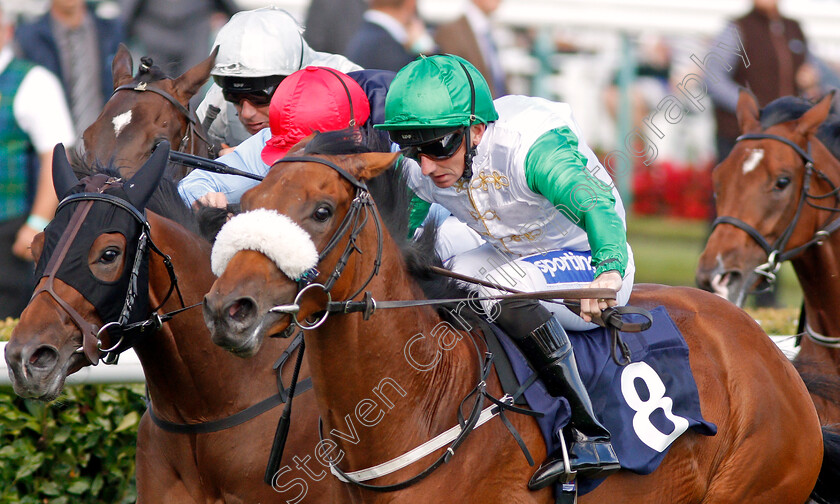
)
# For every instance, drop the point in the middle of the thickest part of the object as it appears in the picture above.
(437, 149)
(259, 98)
(257, 90)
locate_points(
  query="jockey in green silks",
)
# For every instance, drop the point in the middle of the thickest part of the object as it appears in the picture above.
(517, 172)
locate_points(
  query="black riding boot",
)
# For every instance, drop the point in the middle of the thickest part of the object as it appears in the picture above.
(547, 347)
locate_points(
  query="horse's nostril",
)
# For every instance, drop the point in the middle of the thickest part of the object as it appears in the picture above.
(43, 358)
(241, 309)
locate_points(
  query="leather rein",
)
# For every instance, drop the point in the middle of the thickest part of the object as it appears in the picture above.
(776, 253)
(352, 225)
(96, 343)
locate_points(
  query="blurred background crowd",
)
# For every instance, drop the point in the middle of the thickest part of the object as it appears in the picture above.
(621, 64)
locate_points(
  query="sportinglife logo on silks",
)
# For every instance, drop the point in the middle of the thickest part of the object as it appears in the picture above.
(563, 266)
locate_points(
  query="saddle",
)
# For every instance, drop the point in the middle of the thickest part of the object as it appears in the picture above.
(646, 404)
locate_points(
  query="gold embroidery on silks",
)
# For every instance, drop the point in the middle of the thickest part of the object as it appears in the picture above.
(482, 217)
(497, 179)
(483, 182)
(530, 236)
(492, 215)
(479, 216)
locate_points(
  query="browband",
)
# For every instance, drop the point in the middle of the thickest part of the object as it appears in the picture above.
(341, 171)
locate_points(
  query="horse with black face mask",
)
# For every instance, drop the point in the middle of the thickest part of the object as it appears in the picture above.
(113, 267)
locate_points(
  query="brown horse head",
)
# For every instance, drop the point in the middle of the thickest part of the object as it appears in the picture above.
(86, 260)
(144, 110)
(316, 200)
(764, 193)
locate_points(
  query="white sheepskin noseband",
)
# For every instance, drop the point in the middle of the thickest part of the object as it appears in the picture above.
(270, 233)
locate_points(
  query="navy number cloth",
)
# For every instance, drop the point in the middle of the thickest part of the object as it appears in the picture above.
(645, 405)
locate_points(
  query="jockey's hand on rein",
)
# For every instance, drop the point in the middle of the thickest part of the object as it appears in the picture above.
(590, 309)
(212, 199)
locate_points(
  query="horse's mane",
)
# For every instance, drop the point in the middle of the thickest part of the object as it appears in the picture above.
(394, 200)
(790, 108)
(819, 378)
(165, 201)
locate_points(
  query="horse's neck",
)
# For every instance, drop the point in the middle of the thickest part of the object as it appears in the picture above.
(818, 271)
(384, 386)
(189, 377)
(818, 267)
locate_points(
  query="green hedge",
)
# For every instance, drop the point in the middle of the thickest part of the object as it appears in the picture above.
(77, 449)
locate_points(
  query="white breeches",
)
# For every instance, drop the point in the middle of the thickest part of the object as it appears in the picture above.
(547, 270)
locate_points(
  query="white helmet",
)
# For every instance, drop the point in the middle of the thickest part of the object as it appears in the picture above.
(259, 43)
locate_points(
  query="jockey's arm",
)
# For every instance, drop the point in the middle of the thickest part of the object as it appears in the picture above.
(245, 157)
(419, 207)
(556, 169)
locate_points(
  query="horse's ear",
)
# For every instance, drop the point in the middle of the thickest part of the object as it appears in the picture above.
(747, 112)
(143, 184)
(62, 173)
(121, 66)
(371, 164)
(188, 84)
(809, 122)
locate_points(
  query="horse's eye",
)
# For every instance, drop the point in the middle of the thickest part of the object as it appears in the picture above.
(782, 182)
(109, 255)
(322, 213)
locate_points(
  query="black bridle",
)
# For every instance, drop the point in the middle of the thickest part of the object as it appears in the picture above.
(361, 208)
(96, 341)
(192, 129)
(776, 253)
(353, 223)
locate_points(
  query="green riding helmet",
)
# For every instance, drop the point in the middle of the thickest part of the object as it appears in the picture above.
(433, 95)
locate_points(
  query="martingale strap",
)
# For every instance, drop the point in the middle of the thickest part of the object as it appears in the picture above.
(232, 421)
(282, 396)
(454, 436)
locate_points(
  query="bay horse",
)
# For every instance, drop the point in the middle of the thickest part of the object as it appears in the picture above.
(191, 382)
(376, 406)
(144, 110)
(777, 199)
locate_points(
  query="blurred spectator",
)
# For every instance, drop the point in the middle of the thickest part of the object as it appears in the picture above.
(391, 36)
(777, 53)
(330, 24)
(33, 118)
(651, 84)
(76, 45)
(257, 50)
(470, 37)
(175, 33)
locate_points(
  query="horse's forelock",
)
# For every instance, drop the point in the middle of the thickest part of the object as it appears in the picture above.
(165, 200)
(148, 72)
